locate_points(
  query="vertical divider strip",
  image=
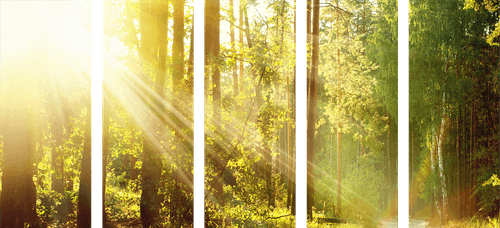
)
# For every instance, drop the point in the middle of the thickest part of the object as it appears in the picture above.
(301, 115)
(198, 115)
(96, 113)
(403, 112)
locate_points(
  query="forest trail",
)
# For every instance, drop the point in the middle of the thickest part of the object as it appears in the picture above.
(418, 222)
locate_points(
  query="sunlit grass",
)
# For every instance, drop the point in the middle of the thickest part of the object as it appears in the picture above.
(122, 203)
(475, 222)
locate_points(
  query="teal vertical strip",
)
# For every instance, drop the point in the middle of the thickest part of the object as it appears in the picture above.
(301, 113)
(96, 113)
(403, 113)
(199, 199)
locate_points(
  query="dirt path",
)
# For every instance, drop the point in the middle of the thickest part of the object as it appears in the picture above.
(414, 223)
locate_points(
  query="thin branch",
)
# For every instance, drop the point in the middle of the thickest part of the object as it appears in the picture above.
(278, 217)
(244, 127)
(341, 15)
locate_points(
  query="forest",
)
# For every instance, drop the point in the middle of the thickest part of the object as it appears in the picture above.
(250, 112)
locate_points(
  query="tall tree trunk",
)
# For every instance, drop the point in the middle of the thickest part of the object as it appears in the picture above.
(105, 147)
(288, 147)
(106, 104)
(309, 43)
(151, 172)
(213, 26)
(162, 41)
(412, 170)
(471, 166)
(268, 166)
(294, 97)
(443, 132)
(339, 154)
(433, 170)
(179, 112)
(212, 49)
(233, 47)
(459, 167)
(311, 115)
(242, 2)
(152, 163)
(190, 71)
(84, 194)
(466, 154)
(390, 181)
(18, 196)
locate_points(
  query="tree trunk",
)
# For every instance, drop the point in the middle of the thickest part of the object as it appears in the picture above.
(84, 194)
(309, 43)
(162, 41)
(459, 167)
(440, 159)
(151, 172)
(18, 196)
(241, 41)
(391, 192)
(339, 154)
(212, 49)
(105, 147)
(152, 162)
(177, 57)
(288, 148)
(466, 165)
(268, 159)
(106, 103)
(413, 170)
(292, 138)
(311, 115)
(471, 166)
(190, 71)
(233, 47)
(178, 91)
(433, 170)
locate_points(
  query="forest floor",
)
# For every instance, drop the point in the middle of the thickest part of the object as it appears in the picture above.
(421, 220)
(416, 222)
(124, 224)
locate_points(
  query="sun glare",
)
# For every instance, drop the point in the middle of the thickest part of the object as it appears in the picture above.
(56, 34)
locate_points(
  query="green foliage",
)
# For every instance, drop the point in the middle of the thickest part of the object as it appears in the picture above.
(53, 207)
(361, 195)
(382, 48)
(492, 7)
(122, 203)
(268, 116)
(492, 181)
(473, 223)
(349, 88)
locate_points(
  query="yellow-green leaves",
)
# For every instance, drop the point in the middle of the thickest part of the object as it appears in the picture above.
(494, 35)
(492, 181)
(491, 6)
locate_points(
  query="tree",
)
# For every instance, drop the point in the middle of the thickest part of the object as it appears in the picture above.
(233, 46)
(212, 50)
(152, 164)
(105, 149)
(84, 193)
(18, 199)
(57, 126)
(311, 115)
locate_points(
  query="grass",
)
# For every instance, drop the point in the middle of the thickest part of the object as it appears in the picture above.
(475, 222)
